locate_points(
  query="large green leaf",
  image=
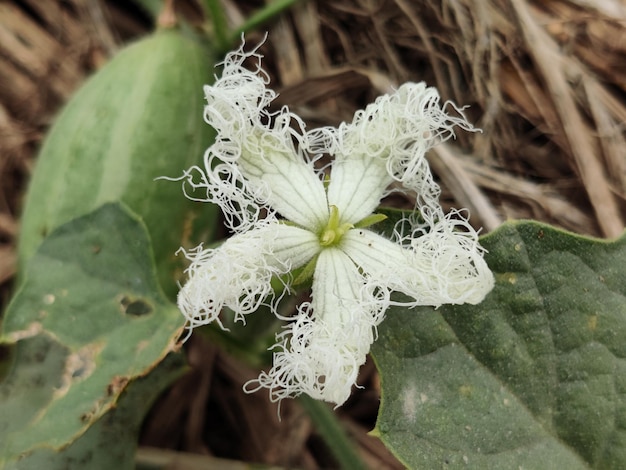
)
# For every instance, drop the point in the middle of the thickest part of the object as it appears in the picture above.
(534, 377)
(138, 118)
(111, 442)
(89, 318)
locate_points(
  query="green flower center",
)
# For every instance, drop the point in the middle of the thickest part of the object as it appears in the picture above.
(332, 233)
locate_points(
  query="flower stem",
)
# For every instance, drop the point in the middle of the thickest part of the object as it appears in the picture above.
(261, 16)
(333, 434)
(220, 29)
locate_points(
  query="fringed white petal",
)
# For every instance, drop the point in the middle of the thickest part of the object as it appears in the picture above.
(292, 186)
(238, 97)
(422, 123)
(321, 352)
(263, 172)
(221, 182)
(258, 160)
(235, 105)
(443, 266)
(238, 274)
(357, 186)
(400, 128)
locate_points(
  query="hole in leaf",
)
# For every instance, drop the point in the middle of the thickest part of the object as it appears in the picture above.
(135, 307)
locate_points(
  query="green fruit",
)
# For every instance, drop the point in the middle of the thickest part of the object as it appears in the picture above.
(137, 119)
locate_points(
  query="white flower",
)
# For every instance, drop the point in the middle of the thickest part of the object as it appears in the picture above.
(287, 214)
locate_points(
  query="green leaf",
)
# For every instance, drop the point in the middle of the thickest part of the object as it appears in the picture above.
(112, 440)
(533, 377)
(89, 318)
(137, 119)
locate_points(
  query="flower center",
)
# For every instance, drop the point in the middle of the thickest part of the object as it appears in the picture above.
(332, 233)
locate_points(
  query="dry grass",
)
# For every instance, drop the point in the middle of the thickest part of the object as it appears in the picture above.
(546, 82)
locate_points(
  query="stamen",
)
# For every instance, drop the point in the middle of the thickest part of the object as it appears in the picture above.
(332, 233)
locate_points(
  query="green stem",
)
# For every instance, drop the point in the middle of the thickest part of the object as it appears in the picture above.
(261, 16)
(333, 434)
(214, 10)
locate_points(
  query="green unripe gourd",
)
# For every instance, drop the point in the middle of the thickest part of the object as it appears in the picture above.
(137, 119)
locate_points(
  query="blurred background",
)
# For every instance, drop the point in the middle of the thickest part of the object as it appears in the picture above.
(544, 80)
